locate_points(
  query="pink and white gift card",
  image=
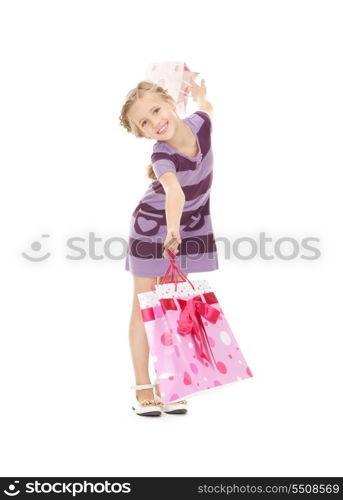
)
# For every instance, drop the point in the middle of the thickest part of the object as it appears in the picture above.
(174, 77)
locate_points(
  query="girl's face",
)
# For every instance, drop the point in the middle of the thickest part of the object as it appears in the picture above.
(154, 117)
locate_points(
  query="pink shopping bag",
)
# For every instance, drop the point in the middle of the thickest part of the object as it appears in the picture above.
(191, 343)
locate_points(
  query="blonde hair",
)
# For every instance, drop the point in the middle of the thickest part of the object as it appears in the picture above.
(130, 99)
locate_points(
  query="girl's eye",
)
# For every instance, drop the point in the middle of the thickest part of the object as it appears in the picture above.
(157, 109)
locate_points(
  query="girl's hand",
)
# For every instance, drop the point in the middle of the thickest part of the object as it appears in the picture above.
(172, 242)
(198, 92)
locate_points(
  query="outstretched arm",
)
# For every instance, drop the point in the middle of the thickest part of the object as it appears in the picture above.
(175, 201)
(199, 96)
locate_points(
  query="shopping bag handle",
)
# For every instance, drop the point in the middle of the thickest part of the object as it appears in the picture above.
(175, 271)
(171, 268)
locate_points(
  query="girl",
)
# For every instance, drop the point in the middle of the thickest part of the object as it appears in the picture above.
(173, 214)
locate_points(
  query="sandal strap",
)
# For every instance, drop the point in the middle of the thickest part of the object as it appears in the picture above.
(144, 386)
(149, 402)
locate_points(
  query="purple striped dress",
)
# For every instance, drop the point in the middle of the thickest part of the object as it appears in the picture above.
(148, 229)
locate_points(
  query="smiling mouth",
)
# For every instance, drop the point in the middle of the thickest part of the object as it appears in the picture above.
(163, 129)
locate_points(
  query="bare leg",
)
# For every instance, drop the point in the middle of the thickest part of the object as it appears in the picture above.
(138, 339)
(157, 387)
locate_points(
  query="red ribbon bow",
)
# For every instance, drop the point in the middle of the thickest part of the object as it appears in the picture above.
(191, 322)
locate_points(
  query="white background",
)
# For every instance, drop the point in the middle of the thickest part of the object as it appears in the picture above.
(273, 71)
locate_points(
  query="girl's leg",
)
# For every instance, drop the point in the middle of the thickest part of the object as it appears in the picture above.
(157, 387)
(138, 340)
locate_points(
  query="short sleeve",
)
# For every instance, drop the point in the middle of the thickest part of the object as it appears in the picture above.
(206, 118)
(161, 163)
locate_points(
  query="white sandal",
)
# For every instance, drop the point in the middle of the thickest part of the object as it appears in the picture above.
(173, 407)
(148, 407)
